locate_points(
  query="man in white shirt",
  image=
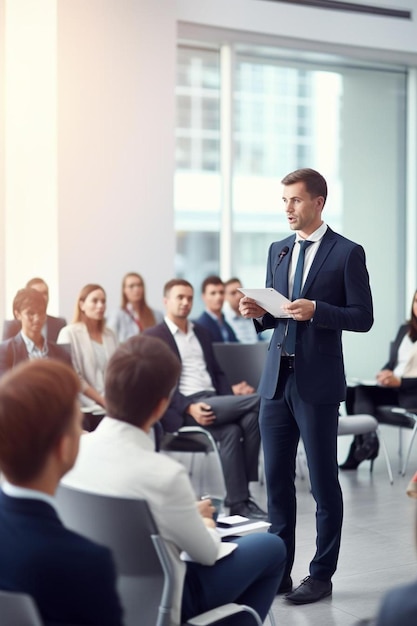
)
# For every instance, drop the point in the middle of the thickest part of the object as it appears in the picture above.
(205, 397)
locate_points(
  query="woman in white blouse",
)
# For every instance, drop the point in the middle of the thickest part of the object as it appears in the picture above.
(92, 343)
(134, 314)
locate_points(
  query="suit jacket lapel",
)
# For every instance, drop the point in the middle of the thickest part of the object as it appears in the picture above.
(19, 350)
(281, 272)
(325, 247)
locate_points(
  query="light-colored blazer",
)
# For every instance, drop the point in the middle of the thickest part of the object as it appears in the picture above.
(83, 356)
(118, 459)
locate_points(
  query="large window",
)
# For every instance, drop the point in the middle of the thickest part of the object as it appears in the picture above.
(346, 120)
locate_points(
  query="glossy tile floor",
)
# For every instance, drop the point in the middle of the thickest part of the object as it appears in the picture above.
(378, 543)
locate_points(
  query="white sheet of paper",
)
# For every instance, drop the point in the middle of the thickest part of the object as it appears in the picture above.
(269, 299)
(244, 529)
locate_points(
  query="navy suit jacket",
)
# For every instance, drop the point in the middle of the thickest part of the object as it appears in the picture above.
(72, 579)
(13, 351)
(53, 326)
(338, 282)
(211, 325)
(174, 417)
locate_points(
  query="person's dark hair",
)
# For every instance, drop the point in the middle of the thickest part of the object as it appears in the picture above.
(147, 317)
(314, 182)
(141, 372)
(37, 403)
(176, 282)
(36, 281)
(232, 280)
(79, 316)
(28, 297)
(211, 280)
(412, 324)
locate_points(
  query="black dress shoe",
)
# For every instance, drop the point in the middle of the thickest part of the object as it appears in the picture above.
(248, 509)
(310, 590)
(285, 586)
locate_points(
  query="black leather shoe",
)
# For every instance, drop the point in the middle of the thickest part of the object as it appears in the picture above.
(310, 590)
(248, 509)
(285, 586)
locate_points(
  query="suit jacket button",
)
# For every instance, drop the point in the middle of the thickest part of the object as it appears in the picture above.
(279, 345)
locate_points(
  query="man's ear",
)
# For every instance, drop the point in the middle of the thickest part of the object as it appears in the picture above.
(17, 315)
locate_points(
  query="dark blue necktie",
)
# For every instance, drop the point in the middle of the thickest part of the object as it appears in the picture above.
(296, 291)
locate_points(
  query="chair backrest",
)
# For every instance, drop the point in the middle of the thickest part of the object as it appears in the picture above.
(18, 609)
(127, 527)
(242, 361)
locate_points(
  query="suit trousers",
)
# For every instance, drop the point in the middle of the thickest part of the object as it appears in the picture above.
(250, 575)
(236, 430)
(282, 420)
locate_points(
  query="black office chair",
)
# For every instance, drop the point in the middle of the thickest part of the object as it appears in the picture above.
(400, 418)
(144, 566)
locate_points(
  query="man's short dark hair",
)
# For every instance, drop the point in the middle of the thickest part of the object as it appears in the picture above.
(176, 282)
(37, 404)
(211, 280)
(141, 372)
(232, 280)
(314, 182)
(29, 298)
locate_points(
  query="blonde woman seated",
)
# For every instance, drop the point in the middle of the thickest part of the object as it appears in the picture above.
(134, 314)
(92, 343)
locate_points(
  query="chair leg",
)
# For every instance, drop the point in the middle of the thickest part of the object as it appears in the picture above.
(385, 451)
(407, 456)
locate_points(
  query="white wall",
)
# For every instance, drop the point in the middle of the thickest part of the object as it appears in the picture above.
(114, 147)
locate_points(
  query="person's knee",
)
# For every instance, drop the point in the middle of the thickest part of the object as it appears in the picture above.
(267, 549)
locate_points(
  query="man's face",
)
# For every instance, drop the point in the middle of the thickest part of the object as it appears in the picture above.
(43, 289)
(303, 211)
(32, 320)
(213, 298)
(232, 295)
(179, 302)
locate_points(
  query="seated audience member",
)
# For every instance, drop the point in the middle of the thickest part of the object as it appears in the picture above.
(118, 459)
(71, 579)
(51, 327)
(203, 396)
(29, 309)
(134, 314)
(212, 293)
(243, 327)
(214, 321)
(92, 343)
(396, 384)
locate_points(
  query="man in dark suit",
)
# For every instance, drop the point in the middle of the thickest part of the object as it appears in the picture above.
(71, 579)
(204, 396)
(303, 381)
(212, 292)
(29, 308)
(52, 325)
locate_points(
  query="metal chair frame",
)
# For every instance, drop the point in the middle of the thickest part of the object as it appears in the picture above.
(143, 563)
